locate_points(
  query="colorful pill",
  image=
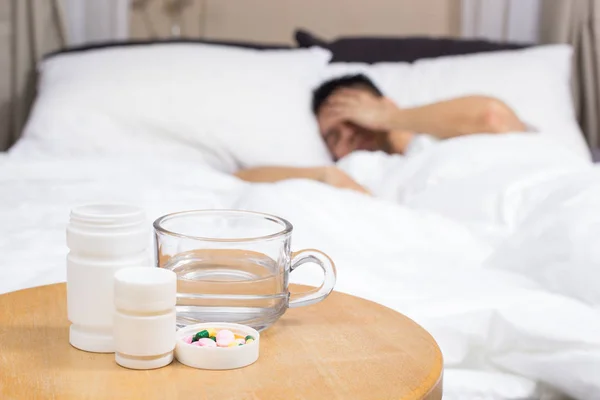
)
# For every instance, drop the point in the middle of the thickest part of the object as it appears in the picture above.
(205, 342)
(212, 332)
(249, 341)
(200, 335)
(188, 339)
(249, 337)
(225, 337)
(240, 341)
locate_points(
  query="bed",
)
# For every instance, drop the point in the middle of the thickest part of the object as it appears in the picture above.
(487, 241)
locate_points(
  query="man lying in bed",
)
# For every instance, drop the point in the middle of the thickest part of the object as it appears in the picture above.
(353, 114)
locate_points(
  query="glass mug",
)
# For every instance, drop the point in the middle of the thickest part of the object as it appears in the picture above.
(234, 266)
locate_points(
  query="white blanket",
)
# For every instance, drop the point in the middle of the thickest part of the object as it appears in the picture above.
(458, 238)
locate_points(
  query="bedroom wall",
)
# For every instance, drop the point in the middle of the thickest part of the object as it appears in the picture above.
(275, 21)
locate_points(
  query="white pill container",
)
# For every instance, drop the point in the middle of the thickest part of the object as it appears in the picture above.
(102, 239)
(144, 319)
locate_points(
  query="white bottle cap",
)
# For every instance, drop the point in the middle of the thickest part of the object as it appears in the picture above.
(145, 289)
(108, 230)
(144, 320)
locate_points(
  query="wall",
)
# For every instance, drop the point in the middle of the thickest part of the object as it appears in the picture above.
(274, 21)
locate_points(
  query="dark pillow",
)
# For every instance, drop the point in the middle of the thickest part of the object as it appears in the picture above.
(402, 49)
(103, 45)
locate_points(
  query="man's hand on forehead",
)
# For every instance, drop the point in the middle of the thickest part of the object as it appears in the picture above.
(359, 107)
(333, 111)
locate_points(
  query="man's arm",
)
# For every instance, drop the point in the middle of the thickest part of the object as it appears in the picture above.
(461, 116)
(446, 119)
(276, 174)
(332, 176)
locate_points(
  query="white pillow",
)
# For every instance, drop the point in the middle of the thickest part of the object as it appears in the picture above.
(535, 82)
(229, 106)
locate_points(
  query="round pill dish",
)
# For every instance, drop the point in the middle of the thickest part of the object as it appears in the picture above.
(211, 345)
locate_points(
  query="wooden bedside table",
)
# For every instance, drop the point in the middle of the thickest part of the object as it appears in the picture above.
(342, 348)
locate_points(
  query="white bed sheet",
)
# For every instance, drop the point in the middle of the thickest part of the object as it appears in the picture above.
(500, 330)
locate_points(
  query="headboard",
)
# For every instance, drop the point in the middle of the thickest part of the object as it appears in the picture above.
(274, 21)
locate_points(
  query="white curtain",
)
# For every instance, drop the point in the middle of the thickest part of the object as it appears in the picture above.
(577, 22)
(28, 30)
(502, 20)
(96, 20)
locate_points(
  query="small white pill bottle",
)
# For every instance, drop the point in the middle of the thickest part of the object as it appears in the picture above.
(102, 239)
(145, 320)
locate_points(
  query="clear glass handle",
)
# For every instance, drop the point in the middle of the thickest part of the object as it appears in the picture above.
(318, 294)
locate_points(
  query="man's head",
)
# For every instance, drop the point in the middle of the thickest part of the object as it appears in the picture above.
(344, 137)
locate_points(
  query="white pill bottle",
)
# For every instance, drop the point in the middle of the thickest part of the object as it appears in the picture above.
(102, 239)
(144, 317)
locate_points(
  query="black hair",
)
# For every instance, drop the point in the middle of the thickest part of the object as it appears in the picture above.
(321, 93)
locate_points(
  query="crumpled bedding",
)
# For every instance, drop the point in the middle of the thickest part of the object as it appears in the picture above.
(488, 242)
